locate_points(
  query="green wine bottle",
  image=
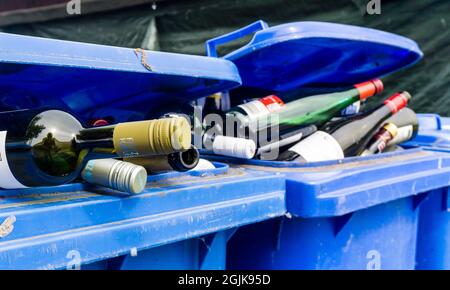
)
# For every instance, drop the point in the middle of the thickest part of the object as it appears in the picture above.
(316, 110)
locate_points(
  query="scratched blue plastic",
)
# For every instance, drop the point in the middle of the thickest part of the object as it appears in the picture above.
(315, 54)
(357, 213)
(95, 80)
(54, 222)
(433, 249)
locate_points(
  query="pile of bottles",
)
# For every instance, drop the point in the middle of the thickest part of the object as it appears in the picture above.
(48, 147)
(45, 147)
(310, 129)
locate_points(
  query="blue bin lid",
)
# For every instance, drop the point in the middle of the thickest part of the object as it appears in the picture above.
(319, 54)
(39, 72)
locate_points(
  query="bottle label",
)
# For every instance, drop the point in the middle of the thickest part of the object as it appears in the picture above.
(403, 134)
(262, 106)
(381, 145)
(319, 146)
(7, 179)
(352, 109)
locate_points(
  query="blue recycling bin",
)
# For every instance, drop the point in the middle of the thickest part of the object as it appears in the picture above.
(433, 249)
(355, 213)
(180, 221)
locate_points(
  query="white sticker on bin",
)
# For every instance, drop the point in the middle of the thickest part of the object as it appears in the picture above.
(319, 146)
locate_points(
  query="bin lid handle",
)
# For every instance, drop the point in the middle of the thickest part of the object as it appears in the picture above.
(252, 28)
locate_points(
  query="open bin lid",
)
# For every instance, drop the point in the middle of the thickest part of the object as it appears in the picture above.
(315, 54)
(85, 78)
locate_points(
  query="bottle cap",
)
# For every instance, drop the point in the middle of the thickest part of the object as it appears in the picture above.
(391, 128)
(234, 147)
(398, 101)
(154, 137)
(369, 89)
(216, 96)
(115, 174)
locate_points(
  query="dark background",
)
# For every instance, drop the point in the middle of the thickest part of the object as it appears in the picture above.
(184, 26)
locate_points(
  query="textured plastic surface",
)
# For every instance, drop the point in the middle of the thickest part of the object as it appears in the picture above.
(289, 56)
(54, 227)
(357, 213)
(93, 80)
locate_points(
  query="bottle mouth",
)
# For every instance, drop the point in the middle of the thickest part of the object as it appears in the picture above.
(379, 87)
(184, 161)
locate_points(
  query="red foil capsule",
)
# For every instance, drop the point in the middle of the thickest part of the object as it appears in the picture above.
(398, 101)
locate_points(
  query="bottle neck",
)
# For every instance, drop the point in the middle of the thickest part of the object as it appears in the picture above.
(97, 137)
(351, 133)
(316, 109)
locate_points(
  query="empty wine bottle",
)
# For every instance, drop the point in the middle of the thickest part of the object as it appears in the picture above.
(381, 139)
(179, 161)
(405, 120)
(347, 139)
(312, 110)
(115, 174)
(268, 118)
(48, 147)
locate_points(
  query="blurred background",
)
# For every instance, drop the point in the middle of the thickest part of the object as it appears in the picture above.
(184, 25)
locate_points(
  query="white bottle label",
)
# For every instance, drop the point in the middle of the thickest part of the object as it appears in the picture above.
(403, 134)
(262, 107)
(319, 146)
(7, 179)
